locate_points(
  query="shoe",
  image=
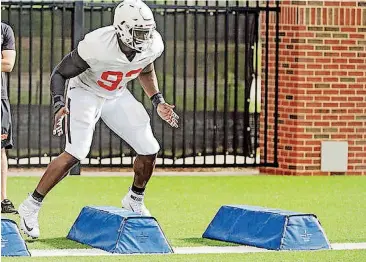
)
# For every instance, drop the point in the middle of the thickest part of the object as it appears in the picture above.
(135, 203)
(7, 207)
(28, 212)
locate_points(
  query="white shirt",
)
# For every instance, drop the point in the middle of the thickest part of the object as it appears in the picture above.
(110, 70)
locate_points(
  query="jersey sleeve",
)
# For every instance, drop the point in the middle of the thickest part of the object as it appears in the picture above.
(8, 39)
(87, 49)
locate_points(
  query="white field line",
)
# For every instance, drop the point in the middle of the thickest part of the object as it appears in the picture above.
(178, 250)
(348, 246)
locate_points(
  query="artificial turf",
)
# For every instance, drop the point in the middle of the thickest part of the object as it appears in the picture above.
(184, 206)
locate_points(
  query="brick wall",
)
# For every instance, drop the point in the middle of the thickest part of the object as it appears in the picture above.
(322, 83)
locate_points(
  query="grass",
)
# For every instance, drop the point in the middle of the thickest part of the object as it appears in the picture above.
(184, 206)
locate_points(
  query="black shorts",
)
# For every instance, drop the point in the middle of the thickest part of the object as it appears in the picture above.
(6, 127)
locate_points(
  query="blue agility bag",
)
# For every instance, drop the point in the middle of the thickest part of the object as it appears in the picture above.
(12, 243)
(267, 228)
(118, 230)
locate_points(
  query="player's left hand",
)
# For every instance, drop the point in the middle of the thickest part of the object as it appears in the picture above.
(166, 112)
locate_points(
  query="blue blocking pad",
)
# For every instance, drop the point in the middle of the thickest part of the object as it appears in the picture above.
(118, 230)
(267, 228)
(12, 243)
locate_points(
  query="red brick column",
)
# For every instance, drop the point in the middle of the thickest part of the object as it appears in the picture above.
(322, 83)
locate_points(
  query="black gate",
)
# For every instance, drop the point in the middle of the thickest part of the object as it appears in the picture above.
(211, 70)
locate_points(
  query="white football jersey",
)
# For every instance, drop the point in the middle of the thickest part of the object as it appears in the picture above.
(110, 70)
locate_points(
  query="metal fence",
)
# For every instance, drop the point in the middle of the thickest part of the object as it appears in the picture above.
(211, 70)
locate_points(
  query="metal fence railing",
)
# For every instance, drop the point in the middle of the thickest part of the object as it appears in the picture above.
(211, 70)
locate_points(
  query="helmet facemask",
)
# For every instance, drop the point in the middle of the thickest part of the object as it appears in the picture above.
(137, 38)
(142, 37)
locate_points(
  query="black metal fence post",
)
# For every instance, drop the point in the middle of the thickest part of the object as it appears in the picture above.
(77, 36)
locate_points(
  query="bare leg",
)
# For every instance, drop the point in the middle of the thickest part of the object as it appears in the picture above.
(4, 173)
(55, 172)
(134, 200)
(29, 209)
(143, 168)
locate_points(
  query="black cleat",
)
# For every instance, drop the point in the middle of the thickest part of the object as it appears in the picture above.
(7, 207)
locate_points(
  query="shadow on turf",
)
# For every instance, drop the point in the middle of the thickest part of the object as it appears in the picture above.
(61, 243)
(206, 242)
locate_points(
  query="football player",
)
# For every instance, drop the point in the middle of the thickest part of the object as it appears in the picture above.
(7, 63)
(99, 70)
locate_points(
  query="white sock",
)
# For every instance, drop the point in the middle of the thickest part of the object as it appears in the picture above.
(33, 202)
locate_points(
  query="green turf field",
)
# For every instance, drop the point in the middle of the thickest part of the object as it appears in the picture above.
(184, 206)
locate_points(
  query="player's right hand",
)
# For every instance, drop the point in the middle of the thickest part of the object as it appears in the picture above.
(58, 129)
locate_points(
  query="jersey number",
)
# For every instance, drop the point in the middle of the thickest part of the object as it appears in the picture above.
(111, 79)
